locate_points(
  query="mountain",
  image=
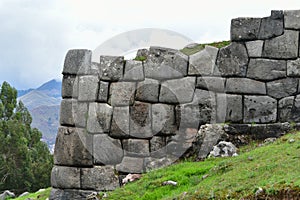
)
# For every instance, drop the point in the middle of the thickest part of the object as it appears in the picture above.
(51, 88)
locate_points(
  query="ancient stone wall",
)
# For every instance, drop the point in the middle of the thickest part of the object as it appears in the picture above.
(128, 116)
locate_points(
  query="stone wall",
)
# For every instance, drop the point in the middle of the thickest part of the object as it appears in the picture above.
(127, 116)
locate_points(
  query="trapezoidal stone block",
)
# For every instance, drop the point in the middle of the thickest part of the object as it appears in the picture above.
(120, 122)
(147, 90)
(122, 93)
(131, 165)
(136, 147)
(214, 84)
(69, 87)
(271, 26)
(282, 88)
(111, 68)
(229, 108)
(245, 86)
(88, 88)
(254, 48)
(65, 177)
(244, 29)
(163, 119)
(77, 61)
(67, 112)
(134, 71)
(99, 118)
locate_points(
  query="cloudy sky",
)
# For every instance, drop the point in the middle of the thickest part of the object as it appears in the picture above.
(36, 34)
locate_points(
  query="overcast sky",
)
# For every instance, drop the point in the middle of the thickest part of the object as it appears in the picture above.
(36, 34)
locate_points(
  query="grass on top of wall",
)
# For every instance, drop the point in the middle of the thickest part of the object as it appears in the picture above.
(199, 47)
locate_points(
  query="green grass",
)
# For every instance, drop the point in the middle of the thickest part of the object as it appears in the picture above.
(273, 167)
(199, 47)
(43, 195)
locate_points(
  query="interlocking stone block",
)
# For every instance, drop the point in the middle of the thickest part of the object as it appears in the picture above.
(65, 177)
(103, 91)
(178, 90)
(245, 86)
(271, 26)
(282, 88)
(265, 69)
(122, 93)
(69, 87)
(58, 194)
(229, 108)
(233, 60)
(140, 120)
(244, 28)
(260, 109)
(111, 68)
(134, 71)
(215, 84)
(107, 151)
(254, 48)
(99, 118)
(292, 19)
(163, 119)
(80, 114)
(147, 90)
(120, 122)
(136, 147)
(131, 165)
(293, 68)
(289, 109)
(88, 88)
(77, 61)
(67, 112)
(203, 62)
(158, 147)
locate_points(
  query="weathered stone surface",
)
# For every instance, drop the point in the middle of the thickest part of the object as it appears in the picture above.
(103, 91)
(164, 63)
(158, 147)
(58, 194)
(99, 118)
(292, 19)
(293, 68)
(99, 178)
(65, 177)
(245, 86)
(122, 93)
(244, 29)
(229, 108)
(131, 165)
(140, 120)
(271, 26)
(111, 68)
(134, 71)
(73, 147)
(80, 113)
(282, 88)
(136, 147)
(120, 122)
(289, 109)
(8, 195)
(177, 91)
(215, 84)
(259, 109)
(263, 131)
(232, 60)
(265, 69)
(284, 46)
(77, 61)
(223, 149)
(163, 119)
(254, 48)
(155, 163)
(67, 112)
(69, 87)
(203, 62)
(107, 151)
(147, 90)
(88, 88)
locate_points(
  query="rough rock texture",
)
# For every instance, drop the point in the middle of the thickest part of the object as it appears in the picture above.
(229, 108)
(244, 28)
(122, 93)
(140, 120)
(223, 149)
(289, 109)
(293, 68)
(245, 86)
(282, 88)
(111, 68)
(65, 177)
(120, 122)
(134, 71)
(99, 118)
(59, 194)
(103, 92)
(77, 61)
(215, 84)
(291, 19)
(136, 147)
(147, 90)
(271, 26)
(163, 119)
(131, 165)
(254, 48)
(69, 87)
(88, 88)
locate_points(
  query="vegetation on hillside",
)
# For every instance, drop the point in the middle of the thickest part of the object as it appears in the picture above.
(199, 47)
(25, 161)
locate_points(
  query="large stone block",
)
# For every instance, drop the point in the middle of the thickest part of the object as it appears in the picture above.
(292, 19)
(140, 120)
(215, 84)
(271, 26)
(264, 131)
(103, 91)
(158, 147)
(88, 88)
(245, 86)
(65, 177)
(164, 63)
(233, 60)
(67, 112)
(80, 114)
(107, 151)
(136, 147)
(99, 178)
(122, 93)
(244, 29)
(147, 90)
(203, 62)
(120, 122)
(293, 68)
(73, 147)
(289, 109)
(265, 69)
(282, 47)
(254, 48)
(260, 109)
(65, 194)
(111, 68)
(131, 165)
(178, 90)
(155, 163)
(163, 119)
(69, 87)
(282, 88)
(229, 108)
(77, 61)
(99, 118)
(134, 71)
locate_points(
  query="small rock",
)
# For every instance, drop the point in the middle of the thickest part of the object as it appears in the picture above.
(204, 176)
(169, 183)
(223, 149)
(24, 194)
(131, 178)
(291, 140)
(250, 158)
(259, 191)
(270, 140)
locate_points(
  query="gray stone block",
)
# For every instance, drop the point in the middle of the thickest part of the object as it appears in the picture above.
(111, 68)
(203, 62)
(77, 61)
(264, 131)
(107, 151)
(147, 90)
(73, 147)
(164, 63)
(88, 88)
(293, 68)
(254, 48)
(120, 122)
(266, 70)
(163, 119)
(99, 118)
(103, 91)
(80, 114)
(178, 90)
(229, 108)
(99, 178)
(65, 177)
(140, 120)
(289, 109)
(155, 163)
(215, 84)
(282, 88)
(282, 47)
(134, 71)
(69, 87)
(122, 93)
(59, 194)
(244, 29)
(158, 147)
(260, 109)
(245, 86)
(233, 60)
(136, 147)
(292, 19)
(67, 112)
(271, 26)
(131, 165)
